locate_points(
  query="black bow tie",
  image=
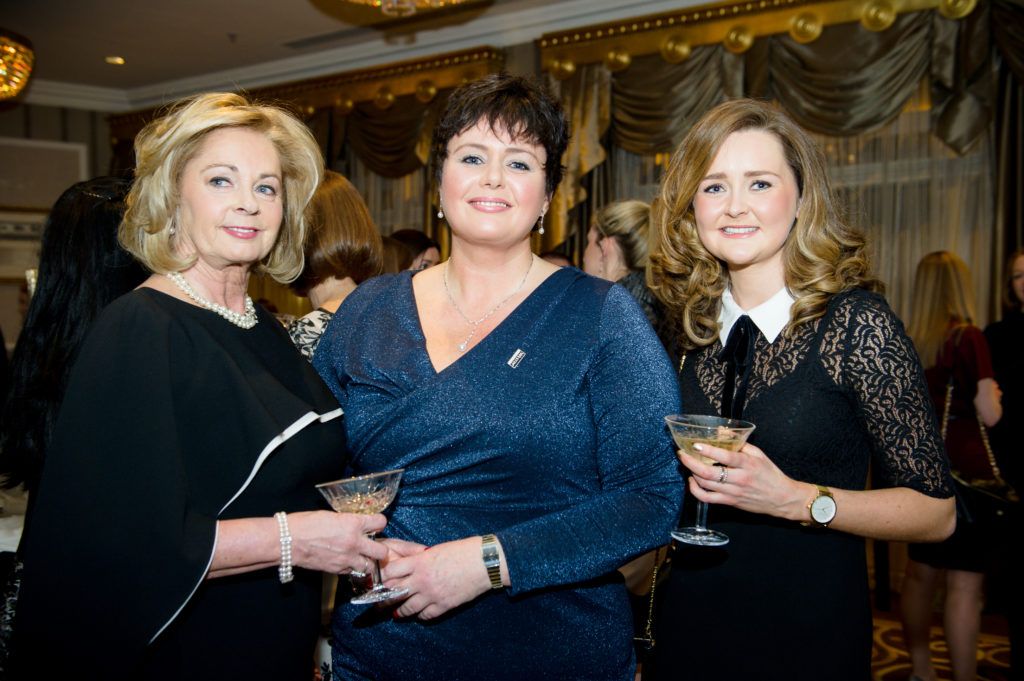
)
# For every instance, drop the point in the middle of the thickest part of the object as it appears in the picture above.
(738, 355)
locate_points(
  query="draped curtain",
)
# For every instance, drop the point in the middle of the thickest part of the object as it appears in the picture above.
(384, 153)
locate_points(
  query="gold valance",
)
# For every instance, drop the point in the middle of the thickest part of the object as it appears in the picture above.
(733, 25)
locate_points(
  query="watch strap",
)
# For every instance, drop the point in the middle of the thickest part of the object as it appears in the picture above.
(492, 559)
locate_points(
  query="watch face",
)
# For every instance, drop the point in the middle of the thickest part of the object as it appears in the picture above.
(823, 509)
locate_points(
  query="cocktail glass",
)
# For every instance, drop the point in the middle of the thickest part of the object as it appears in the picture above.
(688, 430)
(366, 494)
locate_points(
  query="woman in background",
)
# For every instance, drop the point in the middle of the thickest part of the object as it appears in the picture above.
(617, 244)
(779, 323)
(82, 269)
(953, 349)
(425, 251)
(343, 247)
(1005, 340)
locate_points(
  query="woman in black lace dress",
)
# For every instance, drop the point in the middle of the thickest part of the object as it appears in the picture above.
(751, 256)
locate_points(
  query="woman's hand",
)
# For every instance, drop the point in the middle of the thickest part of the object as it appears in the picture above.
(748, 480)
(439, 578)
(336, 542)
(400, 548)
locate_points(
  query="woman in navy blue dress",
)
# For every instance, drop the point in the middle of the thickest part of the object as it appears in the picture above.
(525, 403)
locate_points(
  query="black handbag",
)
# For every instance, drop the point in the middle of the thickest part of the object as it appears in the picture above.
(985, 501)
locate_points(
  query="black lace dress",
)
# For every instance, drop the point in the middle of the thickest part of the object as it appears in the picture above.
(783, 601)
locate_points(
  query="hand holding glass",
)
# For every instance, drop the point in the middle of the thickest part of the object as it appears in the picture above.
(367, 494)
(690, 429)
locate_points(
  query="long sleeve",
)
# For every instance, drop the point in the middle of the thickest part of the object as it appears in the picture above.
(631, 387)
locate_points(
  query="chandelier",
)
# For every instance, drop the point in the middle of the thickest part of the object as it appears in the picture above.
(404, 8)
(16, 59)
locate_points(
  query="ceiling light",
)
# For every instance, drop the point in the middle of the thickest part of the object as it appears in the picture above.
(114, 60)
(404, 8)
(16, 59)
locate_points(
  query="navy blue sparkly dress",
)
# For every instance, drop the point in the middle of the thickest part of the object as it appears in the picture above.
(548, 434)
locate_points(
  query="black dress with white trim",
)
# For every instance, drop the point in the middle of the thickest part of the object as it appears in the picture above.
(174, 419)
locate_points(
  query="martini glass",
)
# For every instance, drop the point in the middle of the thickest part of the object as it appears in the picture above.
(366, 494)
(688, 430)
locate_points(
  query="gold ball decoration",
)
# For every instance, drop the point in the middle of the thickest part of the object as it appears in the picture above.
(739, 39)
(344, 105)
(562, 68)
(425, 91)
(878, 15)
(384, 98)
(956, 9)
(617, 60)
(805, 27)
(16, 60)
(675, 49)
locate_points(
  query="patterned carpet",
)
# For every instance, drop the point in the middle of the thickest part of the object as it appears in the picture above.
(891, 663)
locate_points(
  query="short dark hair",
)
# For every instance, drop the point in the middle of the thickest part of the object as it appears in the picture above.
(341, 239)
(519, 105)
(417, 241)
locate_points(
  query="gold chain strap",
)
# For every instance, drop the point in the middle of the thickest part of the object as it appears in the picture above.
(658, 562)
(996, 473)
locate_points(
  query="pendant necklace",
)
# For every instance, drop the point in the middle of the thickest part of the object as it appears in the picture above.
(245, 320)
(474, 325)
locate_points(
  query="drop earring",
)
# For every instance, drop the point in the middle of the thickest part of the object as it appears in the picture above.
(440, 214)
(540, 224)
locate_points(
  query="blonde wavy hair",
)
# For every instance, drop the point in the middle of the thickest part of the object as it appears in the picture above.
(167, 144)
(822, 255)
(943, 299)
(628, 222)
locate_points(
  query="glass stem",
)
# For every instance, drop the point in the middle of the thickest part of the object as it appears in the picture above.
(702, 515)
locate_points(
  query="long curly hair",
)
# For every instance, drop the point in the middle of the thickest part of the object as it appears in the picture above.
(822, 255)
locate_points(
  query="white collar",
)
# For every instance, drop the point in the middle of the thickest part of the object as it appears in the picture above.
(770, 317)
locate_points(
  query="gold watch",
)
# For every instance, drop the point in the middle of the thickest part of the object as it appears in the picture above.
(822, 508)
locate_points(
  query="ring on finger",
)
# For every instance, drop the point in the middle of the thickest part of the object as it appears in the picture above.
(723, 477)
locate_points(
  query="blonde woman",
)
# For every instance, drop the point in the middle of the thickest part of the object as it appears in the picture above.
(951, 348)
(776, 312)
(617, 251)
(176, 532)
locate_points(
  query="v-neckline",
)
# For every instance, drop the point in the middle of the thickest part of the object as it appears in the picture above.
(422, 336)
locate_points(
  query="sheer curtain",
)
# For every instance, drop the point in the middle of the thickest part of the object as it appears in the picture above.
(912, 195)
(394, 203)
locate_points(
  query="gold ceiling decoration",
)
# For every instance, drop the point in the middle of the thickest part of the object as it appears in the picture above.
(16, 60)
(405, 8)
(735, 25)
(381, 85)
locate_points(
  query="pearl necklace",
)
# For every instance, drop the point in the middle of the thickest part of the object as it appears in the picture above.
(246, 320)
(476, 324)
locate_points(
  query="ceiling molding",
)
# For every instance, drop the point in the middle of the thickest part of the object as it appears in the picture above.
(500, 29)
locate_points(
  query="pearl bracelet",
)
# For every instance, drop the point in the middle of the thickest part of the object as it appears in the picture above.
(284, 571)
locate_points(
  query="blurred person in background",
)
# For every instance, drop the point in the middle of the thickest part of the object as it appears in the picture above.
(425, 251)
(82, 268)
(343, 248)
(952, 349)
(617, 244)
(1006, 341)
